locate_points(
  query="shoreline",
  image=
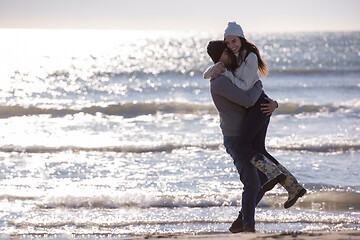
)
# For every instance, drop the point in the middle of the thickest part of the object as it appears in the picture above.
(311, 235)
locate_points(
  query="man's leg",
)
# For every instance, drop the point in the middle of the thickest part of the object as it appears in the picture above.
(250, 179)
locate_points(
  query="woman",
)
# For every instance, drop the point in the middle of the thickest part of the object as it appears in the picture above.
(249, 144)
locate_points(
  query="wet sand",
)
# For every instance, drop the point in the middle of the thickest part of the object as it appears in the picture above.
(343, 235)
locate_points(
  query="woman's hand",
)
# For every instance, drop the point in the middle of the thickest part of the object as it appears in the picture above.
(218, 70)
(269, 108)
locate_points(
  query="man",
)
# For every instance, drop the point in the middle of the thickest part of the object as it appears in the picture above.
(231, 103)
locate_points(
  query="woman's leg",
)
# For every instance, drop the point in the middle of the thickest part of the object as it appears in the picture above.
(294, 189)
(256, 123)
(258, 143)
(253, 124)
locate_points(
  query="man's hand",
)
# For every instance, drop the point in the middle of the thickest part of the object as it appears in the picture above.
(218, 70)
(269, 108)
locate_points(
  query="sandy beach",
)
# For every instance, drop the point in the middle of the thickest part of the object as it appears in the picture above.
(251, 236)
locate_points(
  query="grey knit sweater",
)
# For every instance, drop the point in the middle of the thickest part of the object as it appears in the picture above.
(231, 102)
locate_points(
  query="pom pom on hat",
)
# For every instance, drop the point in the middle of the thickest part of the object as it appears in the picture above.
(215, 50)
(234, 29)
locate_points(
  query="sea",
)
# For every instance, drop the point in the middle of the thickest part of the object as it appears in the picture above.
(113, 134)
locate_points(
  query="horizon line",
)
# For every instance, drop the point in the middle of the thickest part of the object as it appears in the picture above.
(172, 30)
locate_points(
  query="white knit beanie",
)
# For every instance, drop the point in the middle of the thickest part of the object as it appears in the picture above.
(234, 29)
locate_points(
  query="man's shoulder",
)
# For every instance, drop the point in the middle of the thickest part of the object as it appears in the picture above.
(219, 80)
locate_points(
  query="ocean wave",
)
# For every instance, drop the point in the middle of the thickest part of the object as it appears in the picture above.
(296, 108)
(169, 147)
(166, 147)
(92, 224)
(130, 109)
(331, 200)
(322, 147)
(199, 70)
(140, 200)
(13, 198)
(133, 109)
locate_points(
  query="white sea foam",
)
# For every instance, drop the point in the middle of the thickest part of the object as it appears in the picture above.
(334, 200)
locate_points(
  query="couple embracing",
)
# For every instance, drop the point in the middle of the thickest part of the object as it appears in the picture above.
(245, 112)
